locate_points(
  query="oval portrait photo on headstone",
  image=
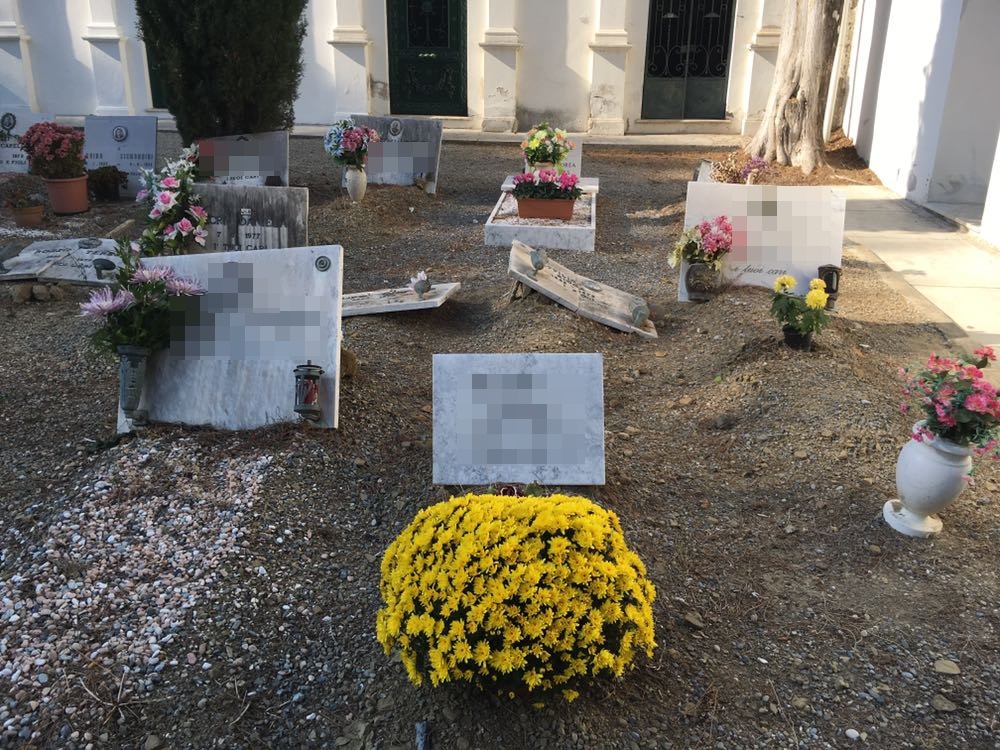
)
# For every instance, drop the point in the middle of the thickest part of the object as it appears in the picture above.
(8, 121)
(119, 133)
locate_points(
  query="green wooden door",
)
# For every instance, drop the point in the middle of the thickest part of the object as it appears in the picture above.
(427, 73)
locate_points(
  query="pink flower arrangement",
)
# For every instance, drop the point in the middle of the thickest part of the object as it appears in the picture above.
(708, 242)
(176, 221)
(348, 143)
(54, 152)
(958, 403)
(547, 184)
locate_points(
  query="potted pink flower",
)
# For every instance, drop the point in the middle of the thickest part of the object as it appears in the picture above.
(55, 153)
(546, 194)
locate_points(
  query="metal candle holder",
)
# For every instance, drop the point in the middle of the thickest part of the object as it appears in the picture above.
(831, 276)
(307, 391)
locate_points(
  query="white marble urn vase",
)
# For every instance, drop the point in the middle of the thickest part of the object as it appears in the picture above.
(930, 475)
(357, 183)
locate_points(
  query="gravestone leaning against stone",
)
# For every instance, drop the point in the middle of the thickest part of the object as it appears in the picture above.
(518, 418)
(14, 122)
(128, 143)
(408, 153)
(249, 217)
(251, 159)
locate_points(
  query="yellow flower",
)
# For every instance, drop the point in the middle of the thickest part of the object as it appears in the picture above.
(570, 695)
(816, 299)
(817, 284)
(784, 283)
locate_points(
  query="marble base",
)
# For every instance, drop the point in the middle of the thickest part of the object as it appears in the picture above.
(396, 300)
(503, 227)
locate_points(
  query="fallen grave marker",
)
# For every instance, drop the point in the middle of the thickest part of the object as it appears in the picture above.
(397, 300)
(586, 297)
(80, 261)
(518, 418)
(264, 313)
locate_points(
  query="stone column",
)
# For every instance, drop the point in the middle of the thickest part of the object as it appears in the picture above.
(18, 90)
(109, 60)
(607, 80)
(500, 45)
(350, 44)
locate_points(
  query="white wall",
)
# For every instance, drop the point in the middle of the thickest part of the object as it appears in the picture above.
(916, 67)
(971, 119)
(867, 48)
(991, 209)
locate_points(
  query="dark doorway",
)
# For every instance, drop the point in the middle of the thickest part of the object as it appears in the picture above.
(687, 59)
(427, 74)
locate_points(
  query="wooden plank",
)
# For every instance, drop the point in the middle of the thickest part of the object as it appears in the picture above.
(585, 297)
(396, 300)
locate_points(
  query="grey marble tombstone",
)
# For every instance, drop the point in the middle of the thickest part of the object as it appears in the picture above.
(408, 153)
(249, 217)
(128, 143)
(518, 418)
(14, 122)
(244, 159)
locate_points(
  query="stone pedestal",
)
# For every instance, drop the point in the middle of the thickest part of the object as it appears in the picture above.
(607, 81)
(500, 45)
(350, 44)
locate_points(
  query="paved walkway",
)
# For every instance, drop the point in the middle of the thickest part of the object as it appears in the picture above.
(955, 272)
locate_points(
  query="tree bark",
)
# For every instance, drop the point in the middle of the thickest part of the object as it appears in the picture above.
(792, 129)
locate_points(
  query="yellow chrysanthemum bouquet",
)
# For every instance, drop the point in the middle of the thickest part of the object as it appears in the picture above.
(515, 594)
(800, 317)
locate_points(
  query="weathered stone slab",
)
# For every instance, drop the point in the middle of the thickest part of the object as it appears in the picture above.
(250, 217)
(518, 418)
(397, 300)
(586, 297)
(248, 159)
(14, 122)
(574, 159)
(777, 230)
(264, 313)
(703, 172)
(586, 184)
(128, 143)
(70, 260)
(504, 226)
(409, 152)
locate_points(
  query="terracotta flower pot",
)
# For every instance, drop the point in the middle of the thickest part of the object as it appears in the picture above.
(545, 208)
(29, 216)
(68, 196)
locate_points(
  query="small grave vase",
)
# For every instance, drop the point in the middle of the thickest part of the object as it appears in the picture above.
(30, 216)
(538, 166)
(930, 475)
(131, 379)
(357, 183)
(796, 339)
(701, 281)
(546, 208)
(68, 196)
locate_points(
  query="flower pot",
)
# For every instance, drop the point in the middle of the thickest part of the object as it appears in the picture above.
(68, 196)
(537, 166)
(357, 183)
(797, 340)
(701, 281)
(131, 379)
(546, 208)
(930, 475)
(29, 216)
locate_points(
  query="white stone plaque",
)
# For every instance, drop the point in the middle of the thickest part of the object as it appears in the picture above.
(80, 261)
(574, 159)
(128, 143)
(234, 350)
(397, 300)
(518, 418)
(586, 297)
(777, 229)
(244, 159)
(14, 122)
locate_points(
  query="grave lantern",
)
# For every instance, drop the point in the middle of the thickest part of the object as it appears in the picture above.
(831, 276)
(307, 391)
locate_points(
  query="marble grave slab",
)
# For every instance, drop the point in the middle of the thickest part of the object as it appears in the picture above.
(14, 122)
(777, 229)
(586, 297)
(71, 260)
(397, 300)
(504, 226)
(409, 152)
(518, 418)
(128, 143)
(252, 217)
(248, 159)
(233, 351)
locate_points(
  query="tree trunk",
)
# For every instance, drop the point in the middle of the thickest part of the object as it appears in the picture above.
(792, 129)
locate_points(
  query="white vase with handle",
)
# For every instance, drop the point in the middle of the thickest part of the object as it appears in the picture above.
(357, 183)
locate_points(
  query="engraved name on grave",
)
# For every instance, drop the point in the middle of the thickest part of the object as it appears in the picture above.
(408, 153)
(248, 217)
(128, 143)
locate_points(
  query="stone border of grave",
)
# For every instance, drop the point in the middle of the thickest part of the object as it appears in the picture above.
(539, 234)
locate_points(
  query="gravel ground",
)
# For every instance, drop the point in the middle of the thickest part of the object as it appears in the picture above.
(188, 588)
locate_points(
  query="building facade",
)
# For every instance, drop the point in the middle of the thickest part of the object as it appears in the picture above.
(593, 66)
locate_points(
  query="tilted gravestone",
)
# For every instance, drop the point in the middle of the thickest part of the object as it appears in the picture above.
(408, 152)
(586, 297)
(397, 300)
(248, 217)
(233, 353)
(777, 230)
(79, 261)
(128, 143)
(14, 122)
(251, 159)
(518, 418)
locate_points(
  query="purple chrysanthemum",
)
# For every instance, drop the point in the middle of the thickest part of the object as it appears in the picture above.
(180, 286)
(103, 302)
(147, 274)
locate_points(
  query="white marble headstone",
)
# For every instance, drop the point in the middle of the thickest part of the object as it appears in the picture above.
(244, 159)
(264, 312)
(71, 260)
(14, 122)
(518, 418)
(402, 299)
(777, 229)
(128, 143)
(574, 159)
